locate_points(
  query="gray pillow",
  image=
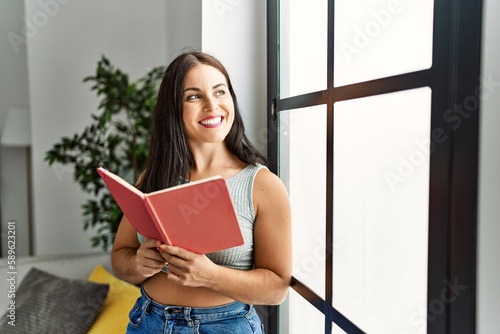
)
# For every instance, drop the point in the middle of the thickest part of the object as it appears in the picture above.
(45, 303)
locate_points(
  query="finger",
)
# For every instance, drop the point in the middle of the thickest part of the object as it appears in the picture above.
(176, 251)
(150, 257)
(171, 260)
(151, 263)
(173, 274)
(149, 271)
(151, 243)
(174, 260)
(150, 253)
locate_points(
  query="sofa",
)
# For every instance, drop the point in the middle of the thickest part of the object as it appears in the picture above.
(73, 293)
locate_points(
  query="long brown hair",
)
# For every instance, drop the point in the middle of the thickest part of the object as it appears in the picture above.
(170, 159)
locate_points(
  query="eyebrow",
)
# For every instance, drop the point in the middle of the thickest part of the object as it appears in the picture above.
(199, 90)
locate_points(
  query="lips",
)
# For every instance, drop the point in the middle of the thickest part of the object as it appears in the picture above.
(211, 121)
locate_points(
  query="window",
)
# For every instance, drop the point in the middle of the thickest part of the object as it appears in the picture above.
(365, 132)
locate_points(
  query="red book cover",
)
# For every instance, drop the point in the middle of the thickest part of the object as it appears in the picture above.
(198, 216)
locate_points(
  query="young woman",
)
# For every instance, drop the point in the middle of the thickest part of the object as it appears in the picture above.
(198, 132)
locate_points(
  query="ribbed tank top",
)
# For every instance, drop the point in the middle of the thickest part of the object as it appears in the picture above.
(241, 191)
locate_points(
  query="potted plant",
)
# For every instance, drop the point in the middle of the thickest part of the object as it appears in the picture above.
(117, 139)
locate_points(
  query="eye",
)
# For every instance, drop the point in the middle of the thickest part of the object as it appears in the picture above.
(193, 97)
(220, 92)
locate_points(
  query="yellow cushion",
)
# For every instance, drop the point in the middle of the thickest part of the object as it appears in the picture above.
(119, 301)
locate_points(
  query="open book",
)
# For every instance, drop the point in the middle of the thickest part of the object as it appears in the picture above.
(198, 216)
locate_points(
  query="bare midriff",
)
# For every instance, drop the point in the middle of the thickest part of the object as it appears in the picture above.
(163, 291)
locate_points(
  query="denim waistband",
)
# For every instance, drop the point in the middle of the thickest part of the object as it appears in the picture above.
(185, 312)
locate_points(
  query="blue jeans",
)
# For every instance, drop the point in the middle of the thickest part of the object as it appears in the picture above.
(148, 316)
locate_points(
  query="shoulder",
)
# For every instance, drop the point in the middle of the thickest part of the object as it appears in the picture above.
(269, 189)
(140, 179)
(265, 179)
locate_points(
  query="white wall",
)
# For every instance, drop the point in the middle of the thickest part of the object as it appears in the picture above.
(235, 32)
(64, 47)
(183, 26)
(13, 94)
(488, 289)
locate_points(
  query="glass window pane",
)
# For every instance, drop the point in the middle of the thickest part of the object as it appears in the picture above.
(382, 152)
(303, 46)
(303, 170)
(381, 38)
(298, 316)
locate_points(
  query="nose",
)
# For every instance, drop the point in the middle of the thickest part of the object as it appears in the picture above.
(210, 104)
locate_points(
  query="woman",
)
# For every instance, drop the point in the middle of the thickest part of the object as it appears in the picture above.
(198, 132)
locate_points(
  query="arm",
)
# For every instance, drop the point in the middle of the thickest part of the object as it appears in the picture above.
(131, 261)
(266, 284)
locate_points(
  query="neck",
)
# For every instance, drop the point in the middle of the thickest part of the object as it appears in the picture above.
(214, 159)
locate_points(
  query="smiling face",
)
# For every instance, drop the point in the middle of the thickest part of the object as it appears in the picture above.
(207, 107)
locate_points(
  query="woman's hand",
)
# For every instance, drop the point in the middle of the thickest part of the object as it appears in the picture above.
(148, 260)
(132, 261)
(187, 268)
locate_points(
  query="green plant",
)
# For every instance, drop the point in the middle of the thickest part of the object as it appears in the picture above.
(116, 139)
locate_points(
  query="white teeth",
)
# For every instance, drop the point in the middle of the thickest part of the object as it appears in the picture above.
(212, 121)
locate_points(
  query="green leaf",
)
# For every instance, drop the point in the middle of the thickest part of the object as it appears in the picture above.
(117, 138)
